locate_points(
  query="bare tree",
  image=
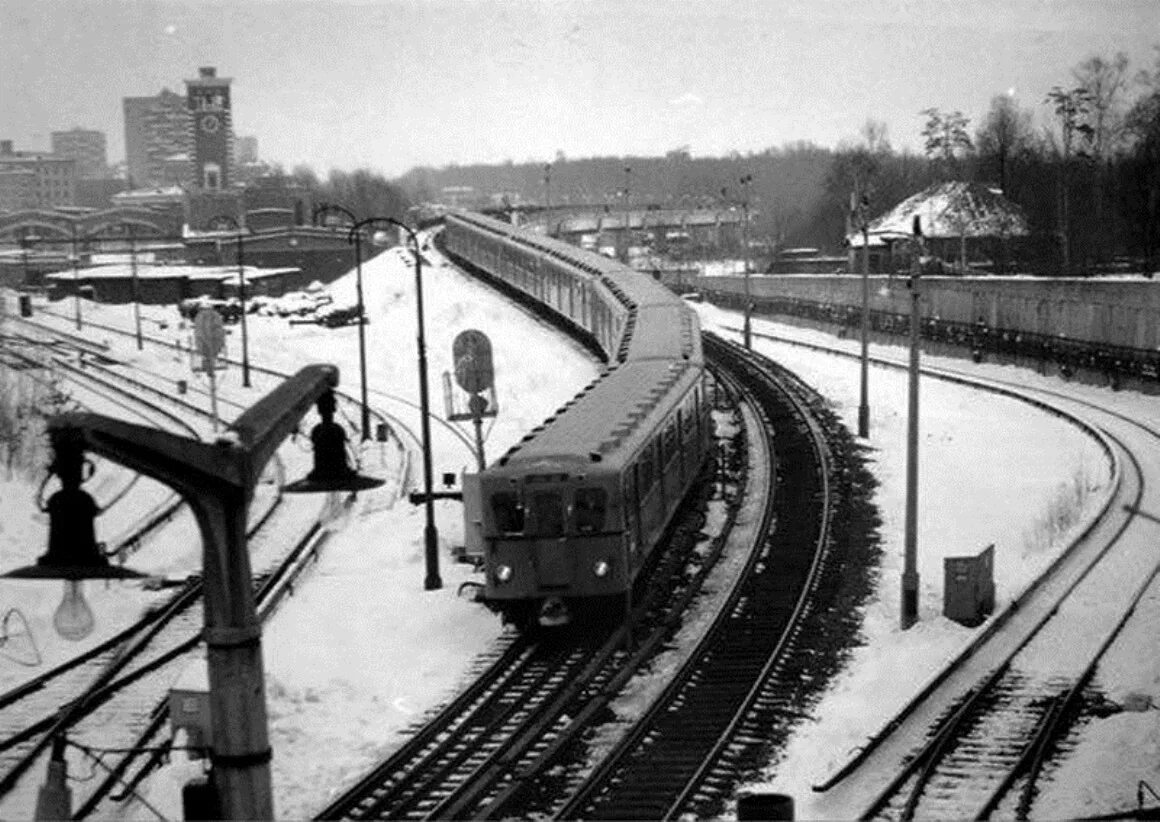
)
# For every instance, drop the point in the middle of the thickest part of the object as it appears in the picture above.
(1105, 81)
(1072, 109)
(1004, 135)
(946, 139)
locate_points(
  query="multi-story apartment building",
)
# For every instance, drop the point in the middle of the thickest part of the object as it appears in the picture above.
(86, 146)
(158, 140)
(32, 179)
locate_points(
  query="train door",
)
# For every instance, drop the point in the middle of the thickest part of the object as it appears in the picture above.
(632, 512)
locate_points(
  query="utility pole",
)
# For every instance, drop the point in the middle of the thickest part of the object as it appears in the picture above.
(910, 551)
(627, 210)
(747, 335)
(136, 286)
(859, 208)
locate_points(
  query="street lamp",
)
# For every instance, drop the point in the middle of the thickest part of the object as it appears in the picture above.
(859, 210)
(910, 553)
(232, 223)
(136, 288)
(217, 480)
(745, 180)
(355, 236)
(627, 209)
(26, 242)
(74, 258)
(430, 534)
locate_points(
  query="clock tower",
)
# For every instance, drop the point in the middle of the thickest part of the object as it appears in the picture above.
(208, 101)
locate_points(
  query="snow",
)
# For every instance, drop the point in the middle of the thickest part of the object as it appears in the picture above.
(361, 651)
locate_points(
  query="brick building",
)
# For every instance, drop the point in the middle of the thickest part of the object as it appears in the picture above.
(86, 146)
(32, 179)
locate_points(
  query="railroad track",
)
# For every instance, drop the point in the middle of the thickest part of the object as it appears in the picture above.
(978, 740)
(684, 753)
(489, 756)
(403, 430)
(118, 689)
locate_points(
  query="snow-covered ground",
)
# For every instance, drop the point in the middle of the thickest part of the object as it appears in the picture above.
(360, 651)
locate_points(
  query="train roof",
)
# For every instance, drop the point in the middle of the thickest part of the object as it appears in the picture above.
(666, 330)
(608, 420)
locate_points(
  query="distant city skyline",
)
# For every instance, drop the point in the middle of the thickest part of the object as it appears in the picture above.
(392, 84)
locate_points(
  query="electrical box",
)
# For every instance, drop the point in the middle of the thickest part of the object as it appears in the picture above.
(189, 705)
(969, 587)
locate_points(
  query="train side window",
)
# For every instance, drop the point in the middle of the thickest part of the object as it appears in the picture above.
(547, 513)
(646, 470)
(588, 509)
(670, 441)
(507, 512)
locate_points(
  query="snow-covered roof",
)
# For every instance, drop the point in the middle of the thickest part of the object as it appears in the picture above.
(948, 210)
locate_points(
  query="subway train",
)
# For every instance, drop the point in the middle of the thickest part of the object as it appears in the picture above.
(565, 521)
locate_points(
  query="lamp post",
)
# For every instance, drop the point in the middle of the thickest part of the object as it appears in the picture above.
(910, 553)
(627, 209)
(430, 534)
(859, 208)
(232, 223)
(74, 258)
(217, 480)
(548, 187)
(354, 237)
(136, 287)
(745, 180)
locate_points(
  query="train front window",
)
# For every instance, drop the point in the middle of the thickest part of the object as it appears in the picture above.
(507, 512)
(547, 514)
(588, 508)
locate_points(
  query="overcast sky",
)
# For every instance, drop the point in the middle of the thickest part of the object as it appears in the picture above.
(395, 83)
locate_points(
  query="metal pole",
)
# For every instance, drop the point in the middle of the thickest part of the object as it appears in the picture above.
(430, 534)
(627, 208)
(76, 277)
(136, 287)
(362, 339)
(910, 559)
(242, 297)
(864, 403)
(747, 331)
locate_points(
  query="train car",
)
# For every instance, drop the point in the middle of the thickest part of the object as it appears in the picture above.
(565, 521)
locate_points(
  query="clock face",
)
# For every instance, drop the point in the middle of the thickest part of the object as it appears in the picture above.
(210, 123)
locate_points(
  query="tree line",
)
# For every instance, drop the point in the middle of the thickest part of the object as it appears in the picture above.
(1088, 176)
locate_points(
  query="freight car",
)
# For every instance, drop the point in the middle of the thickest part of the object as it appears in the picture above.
(566, 520)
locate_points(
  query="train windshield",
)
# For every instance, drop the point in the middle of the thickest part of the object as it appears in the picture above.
(547, 510)
(507, 512)
(588, 509)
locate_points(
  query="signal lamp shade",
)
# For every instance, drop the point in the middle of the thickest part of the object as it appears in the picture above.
(73, 553)
(331, 471)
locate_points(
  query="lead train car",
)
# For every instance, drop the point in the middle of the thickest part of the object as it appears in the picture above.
(568, 517)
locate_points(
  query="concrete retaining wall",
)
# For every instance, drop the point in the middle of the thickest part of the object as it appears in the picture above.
(1123, 312)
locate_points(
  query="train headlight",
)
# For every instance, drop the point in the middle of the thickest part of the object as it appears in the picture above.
(601, 568)
(503, 573)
